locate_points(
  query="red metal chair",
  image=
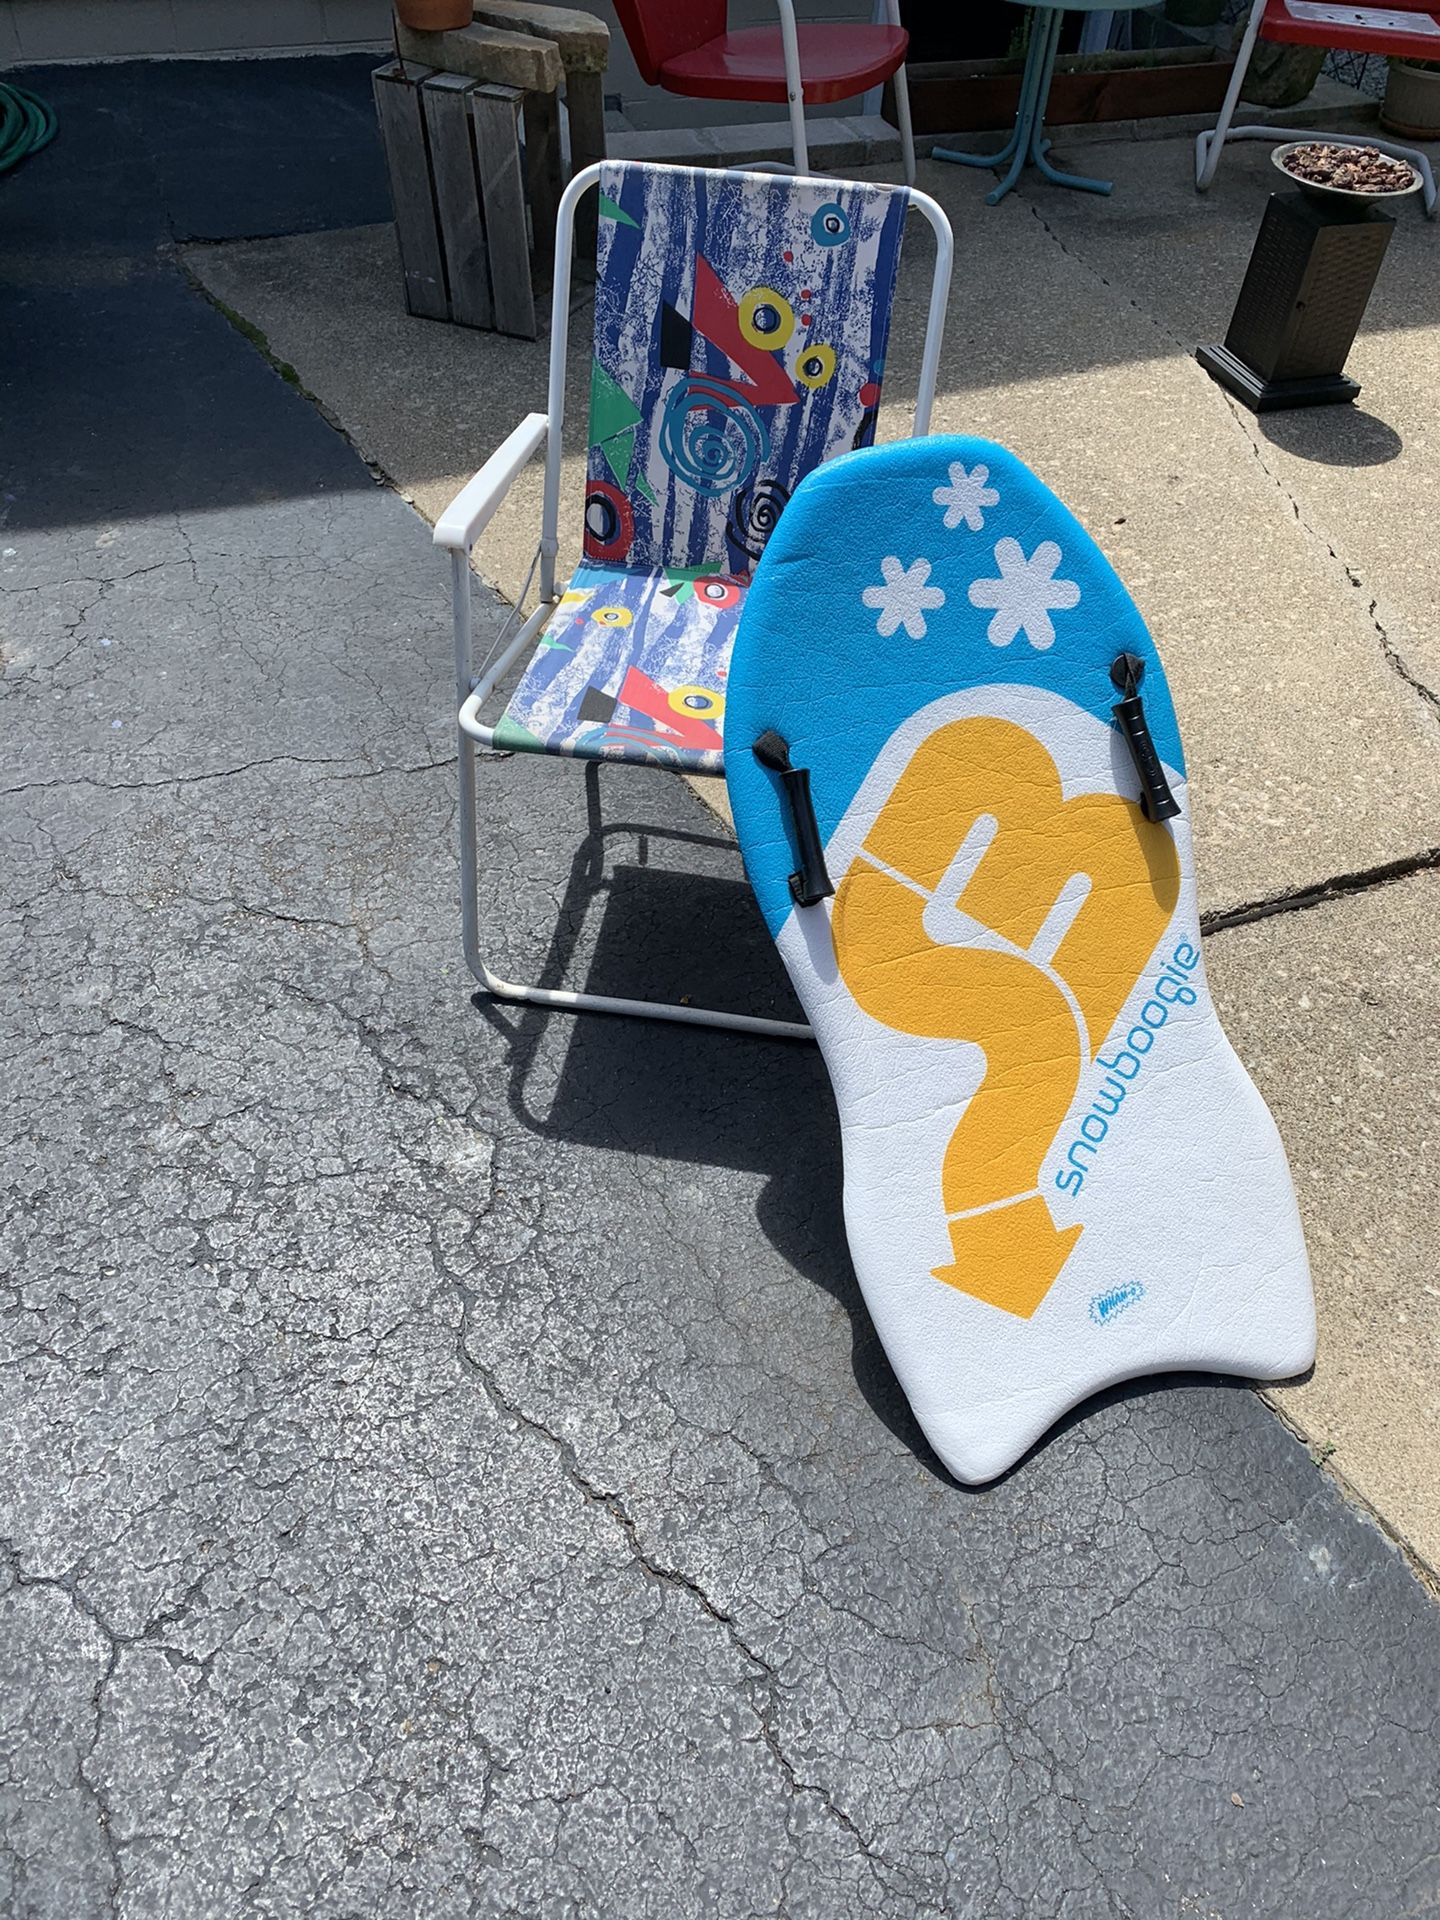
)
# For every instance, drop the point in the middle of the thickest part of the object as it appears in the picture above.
(688, 49)
(1355, 26)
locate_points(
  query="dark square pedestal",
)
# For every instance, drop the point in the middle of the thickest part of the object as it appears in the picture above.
(1305, 292)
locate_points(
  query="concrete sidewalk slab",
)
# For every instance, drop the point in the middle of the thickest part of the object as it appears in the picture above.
(1360, 478)
(1336, 1011)
(1297, 726)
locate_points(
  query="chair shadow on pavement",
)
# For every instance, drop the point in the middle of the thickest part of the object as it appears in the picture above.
(632, 927)
(666, 1092)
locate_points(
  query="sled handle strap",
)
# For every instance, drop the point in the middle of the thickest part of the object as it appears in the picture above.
(812, 882)
(1157, 802)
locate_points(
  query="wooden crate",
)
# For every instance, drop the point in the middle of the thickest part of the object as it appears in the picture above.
(457, 184)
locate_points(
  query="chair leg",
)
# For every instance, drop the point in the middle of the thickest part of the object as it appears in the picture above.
(1208, 146)
(1420, 161)
(799, 144)
(561, 999)
(902, 115)
(794, 84)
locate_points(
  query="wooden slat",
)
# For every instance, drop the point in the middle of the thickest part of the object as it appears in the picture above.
(397, 102)
(585, 104)
(543, 178)
(495, 116)
(445, 97)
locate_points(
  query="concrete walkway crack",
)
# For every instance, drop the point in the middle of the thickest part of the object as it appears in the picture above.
(116, 1644)
(1242, 423)
(176, 780)
(1299, 899)
(1394, 658)
(766, 1709)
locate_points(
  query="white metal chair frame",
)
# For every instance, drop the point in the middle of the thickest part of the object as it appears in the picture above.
(795, 90)
(1210, 143)
(467, 516)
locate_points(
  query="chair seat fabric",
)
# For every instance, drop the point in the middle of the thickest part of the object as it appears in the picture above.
(1367, 28)
(836, 62)
(633, 668)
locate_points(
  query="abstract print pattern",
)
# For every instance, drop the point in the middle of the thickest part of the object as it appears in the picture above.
(741, 323)
(632, 667)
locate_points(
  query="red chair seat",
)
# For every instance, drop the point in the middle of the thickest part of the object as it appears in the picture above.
(749, 64)
(1372, 28)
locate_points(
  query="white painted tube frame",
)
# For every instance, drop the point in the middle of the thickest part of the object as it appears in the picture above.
(471, 511)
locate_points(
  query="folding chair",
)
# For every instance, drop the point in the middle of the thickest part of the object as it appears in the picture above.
(741, 323)
(1356, 26)
(690, 50)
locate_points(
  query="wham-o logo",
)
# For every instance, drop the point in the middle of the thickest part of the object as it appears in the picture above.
(985, 906)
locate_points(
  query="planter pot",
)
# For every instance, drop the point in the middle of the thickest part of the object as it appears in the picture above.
(1412, 102)
(434, 16)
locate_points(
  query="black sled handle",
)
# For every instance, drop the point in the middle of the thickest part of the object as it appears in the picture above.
(1156, 799)
(812, 882)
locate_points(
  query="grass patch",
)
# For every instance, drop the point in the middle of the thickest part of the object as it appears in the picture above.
(259, 340)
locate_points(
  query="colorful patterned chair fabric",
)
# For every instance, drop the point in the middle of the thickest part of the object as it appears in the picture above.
(741, 323)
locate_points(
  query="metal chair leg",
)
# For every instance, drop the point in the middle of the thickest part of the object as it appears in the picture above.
(561, 999)
(1016, 150)
(902, 115)
(794, 84)
(1209, 145)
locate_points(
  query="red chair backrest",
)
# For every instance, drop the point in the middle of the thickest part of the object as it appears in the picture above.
(659, 29)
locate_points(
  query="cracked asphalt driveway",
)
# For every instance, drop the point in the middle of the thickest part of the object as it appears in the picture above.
(448, 1469)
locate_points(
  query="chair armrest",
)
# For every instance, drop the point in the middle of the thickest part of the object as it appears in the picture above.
(472, 509)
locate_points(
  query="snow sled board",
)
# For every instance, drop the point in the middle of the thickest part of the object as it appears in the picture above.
(958, 786)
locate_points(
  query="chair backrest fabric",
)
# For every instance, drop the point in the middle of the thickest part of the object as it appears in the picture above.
(656, 30)
(741, 323)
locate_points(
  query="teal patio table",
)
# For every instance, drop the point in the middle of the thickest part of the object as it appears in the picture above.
(1027, 145)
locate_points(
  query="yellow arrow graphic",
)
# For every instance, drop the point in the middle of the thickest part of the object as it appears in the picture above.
(996, 992)
(1010, 1256)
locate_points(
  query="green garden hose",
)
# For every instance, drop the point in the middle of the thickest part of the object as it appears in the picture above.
(26, 125)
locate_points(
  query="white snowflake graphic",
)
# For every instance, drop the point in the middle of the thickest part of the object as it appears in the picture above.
(966, 494)
(1025, 595)
(904, 598)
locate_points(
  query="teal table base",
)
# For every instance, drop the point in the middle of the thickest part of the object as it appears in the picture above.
(1027, 145)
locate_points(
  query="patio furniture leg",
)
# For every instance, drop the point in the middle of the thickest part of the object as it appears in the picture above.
(902, 104)
(1208, 144)
(510, 990)
(1039, 145)
(1030, 119)
(561, 998)
(1016, 144)
(794, 85)
(902, 114)
(1419, 160)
